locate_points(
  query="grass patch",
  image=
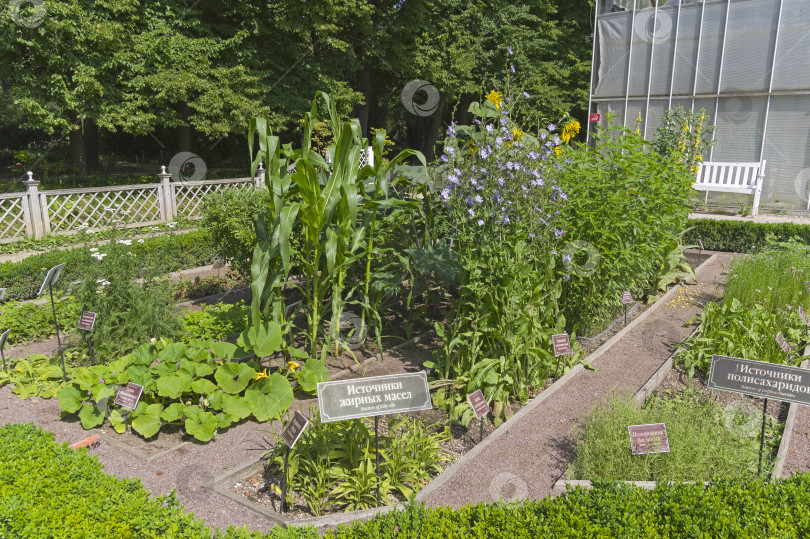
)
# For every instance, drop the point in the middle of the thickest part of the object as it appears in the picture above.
(774, 278)
(706, 441)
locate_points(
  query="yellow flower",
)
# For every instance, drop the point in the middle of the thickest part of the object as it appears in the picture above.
(570, 131)
(558, 150)
(292, 365)
(517, 134)
(260, 375)
(496, 98)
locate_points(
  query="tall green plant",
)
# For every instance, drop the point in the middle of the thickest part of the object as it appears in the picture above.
(335, 205)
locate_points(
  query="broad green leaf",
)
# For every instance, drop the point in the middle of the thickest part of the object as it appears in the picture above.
(311, 374)
(148, 422)
(270, 397)
(202, 426)
(91, 416)
(173, 412)
(238, 407)
(224, 350)
(233, 377)
(70, 399)
(173, 385)
(203, 387)
(119, 420)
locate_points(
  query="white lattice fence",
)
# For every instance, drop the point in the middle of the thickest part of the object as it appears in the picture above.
(66, 210)
(187, 197)
(15, 219)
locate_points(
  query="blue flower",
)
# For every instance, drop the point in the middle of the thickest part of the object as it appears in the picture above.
(445, 194)
(526, 95)
(558, 232)
(445, 158)
(449, 150)
(480, 222)
(478, 199)
(551, 127)
(512, 68)
(471, 212)
(510, 50)
(490, 129)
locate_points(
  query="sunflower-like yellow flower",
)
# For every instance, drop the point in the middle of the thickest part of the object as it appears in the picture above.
(570, 130)
(496, 98)
(292, 365)
(260, 375)
(558, 150)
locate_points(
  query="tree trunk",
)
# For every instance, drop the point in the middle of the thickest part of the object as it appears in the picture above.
(184, 131)
(91, 145)
(433, 131)
(76, 140)
(361, 110)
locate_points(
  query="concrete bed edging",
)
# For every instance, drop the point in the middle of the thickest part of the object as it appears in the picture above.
(652, 384)
(218, 484)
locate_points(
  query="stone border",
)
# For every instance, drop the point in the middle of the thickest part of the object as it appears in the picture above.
(219, 483)
(134, 451)
(652, 384)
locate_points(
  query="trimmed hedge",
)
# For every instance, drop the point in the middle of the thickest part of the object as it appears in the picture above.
(46, 487)
(177, 251)
(741, 236)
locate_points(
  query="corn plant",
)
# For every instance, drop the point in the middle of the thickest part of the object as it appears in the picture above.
(335, 206)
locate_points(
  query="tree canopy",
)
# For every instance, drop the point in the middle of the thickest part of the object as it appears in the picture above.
(205, 67)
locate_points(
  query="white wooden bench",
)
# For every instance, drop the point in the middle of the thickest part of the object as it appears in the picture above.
(742, 178)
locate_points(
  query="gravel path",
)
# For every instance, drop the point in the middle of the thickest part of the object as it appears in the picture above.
(532, 452)
(798, 454)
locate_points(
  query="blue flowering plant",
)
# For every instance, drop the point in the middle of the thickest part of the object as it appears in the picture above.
(502, 207)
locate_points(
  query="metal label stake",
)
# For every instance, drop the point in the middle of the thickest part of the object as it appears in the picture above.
(3, 339)
(377, 455)
(50, 280)
(290, 435)
(762, 435)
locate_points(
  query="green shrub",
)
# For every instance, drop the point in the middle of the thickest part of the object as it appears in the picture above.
(228, 216)
(628, 204)
(177, 251)
(701, 444)
(130, 295)
(216, 322)
(36, 473)
(332, 465)
(774, 278)
(32, 322)
(731, 329)
(741, 236)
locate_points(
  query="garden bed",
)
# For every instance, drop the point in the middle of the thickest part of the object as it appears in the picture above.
(742, 415)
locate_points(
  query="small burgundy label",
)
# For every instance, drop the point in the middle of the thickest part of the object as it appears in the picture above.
(627, 297)
(129, 395)
(804, 316)
(87, 321)
(478, 403)
(562, 344)
(646, 439)
(782, 342)
(294, 429)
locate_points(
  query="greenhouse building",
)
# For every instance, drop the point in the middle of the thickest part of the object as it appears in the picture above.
(747, 62)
